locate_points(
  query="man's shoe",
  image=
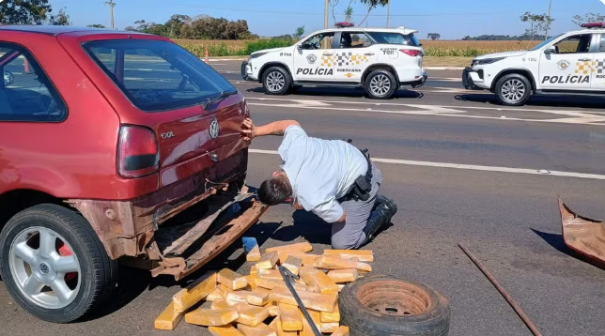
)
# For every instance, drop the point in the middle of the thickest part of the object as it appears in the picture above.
(388, 204)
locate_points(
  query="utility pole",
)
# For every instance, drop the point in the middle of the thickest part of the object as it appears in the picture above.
(549, 21)
(388, 13)
(111, 5)
(326, 10)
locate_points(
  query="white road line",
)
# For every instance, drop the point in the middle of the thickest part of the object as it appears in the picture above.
(469, 167)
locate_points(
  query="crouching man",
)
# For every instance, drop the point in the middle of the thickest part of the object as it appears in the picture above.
(331, 178)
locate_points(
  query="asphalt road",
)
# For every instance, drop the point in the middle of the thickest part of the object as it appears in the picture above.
(463, 170)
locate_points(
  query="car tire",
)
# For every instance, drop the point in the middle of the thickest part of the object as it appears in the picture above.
(383, 305)
(64, 256)
(513, 90)
(381, 84)
(277, 80)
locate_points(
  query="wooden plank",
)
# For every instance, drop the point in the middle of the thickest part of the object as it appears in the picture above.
(315, 301)
(211, 318)
(260, 330)
(186, 298)
(251, 315)
(267, 261)
(231, 279)
(361, 255)
(168, 319)
(301, 247)
(225, 331)
(259, 296)
(290, 317)
(343, 275)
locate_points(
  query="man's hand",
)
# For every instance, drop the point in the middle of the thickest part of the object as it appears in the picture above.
(248, 130)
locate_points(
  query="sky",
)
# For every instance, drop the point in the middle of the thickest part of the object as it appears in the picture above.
(453, 19)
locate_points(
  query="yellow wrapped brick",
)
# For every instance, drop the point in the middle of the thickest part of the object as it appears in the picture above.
(271, 274)
(220, 304)
(341, 331)
(324, 328)
(216, 295)
(251, 315)
(237, 297)
(306, 330)
(343, 275)
(186, 298)
(259, 296)
(277, 327)
(293, 264)
(320, 281)
(290, 317)
(225, 331)
(254, 254)
(306, 258)
(315, 301)
(271, 284)
(260, 330)
(361, 255)
(168, 319)
(253, 270)
(331, 263)
(363, 267)
(211, 318)
(330, 317)
(300, 247)
(223, 288)
(273, 308)
(340, 287)
(231, 279)
(267, 261)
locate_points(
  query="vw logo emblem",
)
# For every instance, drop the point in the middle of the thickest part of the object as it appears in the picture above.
(44, 269)
(214, 129)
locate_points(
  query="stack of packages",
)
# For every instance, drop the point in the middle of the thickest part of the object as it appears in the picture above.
(260, 304)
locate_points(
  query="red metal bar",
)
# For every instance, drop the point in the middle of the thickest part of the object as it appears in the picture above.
(506, 296)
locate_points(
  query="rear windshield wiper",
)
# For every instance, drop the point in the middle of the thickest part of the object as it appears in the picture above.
(219, 97)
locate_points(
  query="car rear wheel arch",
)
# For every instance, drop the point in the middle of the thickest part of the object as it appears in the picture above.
(386, 67)
(15, 201)
(523, 72)
(269, 65)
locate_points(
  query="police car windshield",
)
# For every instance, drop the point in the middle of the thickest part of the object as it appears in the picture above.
(539, 46)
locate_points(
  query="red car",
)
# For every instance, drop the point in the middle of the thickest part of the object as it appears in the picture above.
(105, 137)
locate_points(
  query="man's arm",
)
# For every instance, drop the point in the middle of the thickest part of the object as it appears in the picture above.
(275, 128)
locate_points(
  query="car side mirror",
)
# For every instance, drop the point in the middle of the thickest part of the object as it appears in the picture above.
(299, 46)
(550, 50)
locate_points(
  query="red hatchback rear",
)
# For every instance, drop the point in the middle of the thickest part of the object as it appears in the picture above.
(106, 136)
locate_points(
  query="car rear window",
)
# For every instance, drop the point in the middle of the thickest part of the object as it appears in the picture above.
(157, 75)
(395, 38)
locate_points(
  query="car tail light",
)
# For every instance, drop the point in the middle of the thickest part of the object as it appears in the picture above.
(138, 152)
(412, 53)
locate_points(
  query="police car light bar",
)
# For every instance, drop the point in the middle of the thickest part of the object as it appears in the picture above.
(593, 25)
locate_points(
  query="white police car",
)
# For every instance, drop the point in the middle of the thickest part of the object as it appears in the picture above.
(571, 63)
(380, 60)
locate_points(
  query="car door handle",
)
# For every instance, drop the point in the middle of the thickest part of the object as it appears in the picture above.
(584, 60)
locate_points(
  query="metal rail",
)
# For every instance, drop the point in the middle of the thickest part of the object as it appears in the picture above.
(289, 277)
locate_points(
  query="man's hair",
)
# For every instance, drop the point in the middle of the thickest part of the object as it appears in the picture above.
(274, 191)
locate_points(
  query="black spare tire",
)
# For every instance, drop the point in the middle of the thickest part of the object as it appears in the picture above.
(383, 305)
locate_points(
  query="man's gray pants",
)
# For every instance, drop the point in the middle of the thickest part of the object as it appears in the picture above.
(349, 234)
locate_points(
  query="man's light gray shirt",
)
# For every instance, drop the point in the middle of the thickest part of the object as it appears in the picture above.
(320, 171)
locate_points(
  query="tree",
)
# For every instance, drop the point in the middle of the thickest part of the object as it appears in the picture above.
(434, 36)
(98, 25)
(299, 33)
(538, 23)
(61, 19)
(588, 17)
(24, 11)
(372, 4)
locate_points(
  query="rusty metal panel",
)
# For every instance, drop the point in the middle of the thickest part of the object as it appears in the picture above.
(583, 235)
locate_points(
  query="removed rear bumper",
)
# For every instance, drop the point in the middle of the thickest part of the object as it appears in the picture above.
(583, 235)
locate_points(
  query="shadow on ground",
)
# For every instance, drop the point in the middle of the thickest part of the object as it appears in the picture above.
(342, 92)
(543, 101)
(557, 242)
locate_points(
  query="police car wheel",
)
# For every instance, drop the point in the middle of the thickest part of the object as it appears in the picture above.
(277, 80)
(513, 90)
(380, 84)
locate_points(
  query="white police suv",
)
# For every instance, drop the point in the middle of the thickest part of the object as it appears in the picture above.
(571, 63)
(380, 60)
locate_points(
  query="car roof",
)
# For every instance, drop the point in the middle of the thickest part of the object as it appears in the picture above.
(399, 30)
(57, 30)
